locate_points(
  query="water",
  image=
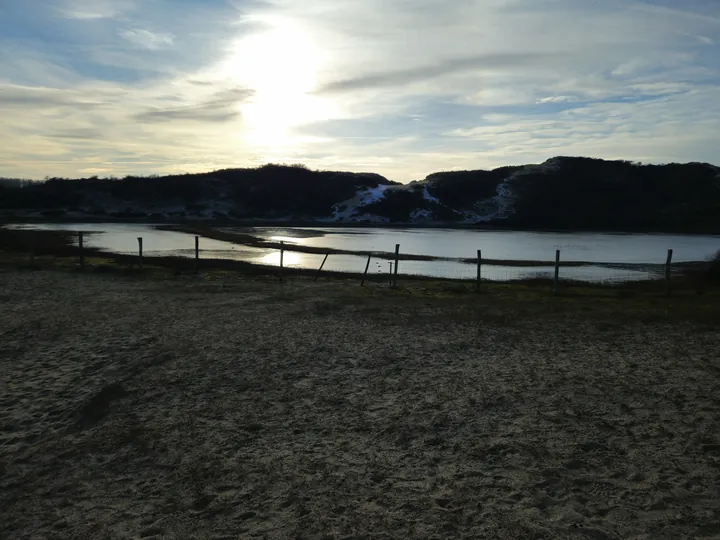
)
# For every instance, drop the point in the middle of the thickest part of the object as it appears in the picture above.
(619, 249)
(508, 245)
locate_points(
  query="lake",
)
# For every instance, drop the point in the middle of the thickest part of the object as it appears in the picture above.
(626, 253)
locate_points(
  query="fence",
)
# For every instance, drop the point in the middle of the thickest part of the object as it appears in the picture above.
(389, 267)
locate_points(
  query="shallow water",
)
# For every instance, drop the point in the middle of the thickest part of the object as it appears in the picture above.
(632, 249)
(509, 245)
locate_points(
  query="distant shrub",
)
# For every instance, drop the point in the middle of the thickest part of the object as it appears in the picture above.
(277, 166)
(15, 182)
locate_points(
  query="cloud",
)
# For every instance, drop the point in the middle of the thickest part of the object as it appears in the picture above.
(221, 107)
(95, 9)
(400, 87)
(147, 39)
(29, 96)
(646, 131)
(558, 99)
(440, 69)
(86, 133)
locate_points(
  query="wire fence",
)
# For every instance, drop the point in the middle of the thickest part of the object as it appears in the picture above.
(477, 269)
(384, 267)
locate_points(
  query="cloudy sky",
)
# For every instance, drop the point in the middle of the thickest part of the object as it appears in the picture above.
(399, 87)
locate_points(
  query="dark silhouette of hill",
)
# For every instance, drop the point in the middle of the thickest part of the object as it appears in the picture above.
(562, 193)
(462, 189)
(271, 191)
(591, 193)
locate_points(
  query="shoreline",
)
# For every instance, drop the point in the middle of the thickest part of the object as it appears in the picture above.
(276, 223)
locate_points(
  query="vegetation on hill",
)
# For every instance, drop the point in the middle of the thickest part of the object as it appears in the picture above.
(592, 193)
(271, 191)
(463, 189)
(14, 183)
(562, 193)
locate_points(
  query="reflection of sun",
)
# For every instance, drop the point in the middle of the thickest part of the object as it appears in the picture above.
(280, 66)
(290, 258)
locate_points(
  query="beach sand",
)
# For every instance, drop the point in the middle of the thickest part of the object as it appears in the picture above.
(193, 408)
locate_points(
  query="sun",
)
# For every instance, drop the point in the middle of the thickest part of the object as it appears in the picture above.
(280, 66)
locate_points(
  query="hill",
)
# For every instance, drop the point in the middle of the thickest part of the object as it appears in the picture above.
(562, 193)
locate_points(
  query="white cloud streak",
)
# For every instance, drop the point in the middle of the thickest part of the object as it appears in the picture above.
(147, 39)
(94, 9)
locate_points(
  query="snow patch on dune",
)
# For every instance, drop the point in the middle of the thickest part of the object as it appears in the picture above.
(349, 209)
(373, 195)
(430, 198)
(502, 205)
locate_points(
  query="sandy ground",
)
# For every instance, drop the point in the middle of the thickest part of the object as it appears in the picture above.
(134, 408)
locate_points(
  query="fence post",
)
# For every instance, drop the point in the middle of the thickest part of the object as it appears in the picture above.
(390, 273)
(32, 249)
(321, 267)
(140, 255)
(197, 253)
(81, 244)
(556, 281)
(282, 256)
(668, 264)
(397, 259)
(367, 266)
(479, 267)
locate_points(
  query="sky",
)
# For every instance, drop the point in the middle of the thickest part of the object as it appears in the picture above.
(403, 88)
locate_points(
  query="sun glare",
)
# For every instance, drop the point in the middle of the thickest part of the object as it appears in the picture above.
(280, 66)
(290, 258)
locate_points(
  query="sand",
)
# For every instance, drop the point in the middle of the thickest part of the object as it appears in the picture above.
(146, 408)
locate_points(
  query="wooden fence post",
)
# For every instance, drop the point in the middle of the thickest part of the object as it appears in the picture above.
(668, 264)
(81, 244)
(479, 268)
(390, 273)
(397, 260)
(140, 255)
(282, 256)
(556, 281)
(32, 249)
(367, 266)
(197, 253)
(321, 267)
